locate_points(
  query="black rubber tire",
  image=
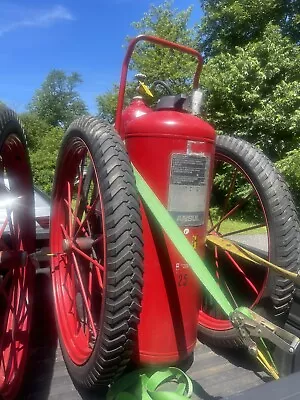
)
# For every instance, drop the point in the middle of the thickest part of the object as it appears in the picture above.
(284, 231)
(11, 127)
(124, 247)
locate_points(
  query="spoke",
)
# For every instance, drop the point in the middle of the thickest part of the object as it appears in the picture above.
(88, 180)
(21, 300)
(98, 240)
(90, 283)
(79, 188)
(72, 277)
(11, 228)
(98, 271)
(80, 282)
(72, 296)
(64, 232)
(77, 219)
(217, 262)
(210, 219)
(100, 280)
(13, 353)
(91, 209)
(221, 278)
(227, 198)
(24, 316)
(85, 188)
(84, 255)
(244, 230)
(3, 363)
(73, 301)
(233, 210)
(4, 282)
(231, 295)
(242, 272)
(3, 227)
(69, 204)
(2, 182)
(16, 294)
(84, 297)
(89, 227)
(66, 270)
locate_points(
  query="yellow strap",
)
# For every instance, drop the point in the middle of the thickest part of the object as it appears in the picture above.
(262, 359)
(234, 248)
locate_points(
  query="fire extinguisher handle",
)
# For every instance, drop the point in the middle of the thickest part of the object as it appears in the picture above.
(160, 42)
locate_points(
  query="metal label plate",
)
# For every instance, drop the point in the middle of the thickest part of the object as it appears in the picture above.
(188, 188)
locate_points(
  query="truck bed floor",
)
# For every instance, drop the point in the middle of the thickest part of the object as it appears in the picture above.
(215, 373)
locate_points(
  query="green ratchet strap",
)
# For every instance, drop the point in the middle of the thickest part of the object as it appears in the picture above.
(143, 385)
(181, 243)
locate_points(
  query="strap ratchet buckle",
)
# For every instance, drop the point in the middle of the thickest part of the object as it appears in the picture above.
(251, 325)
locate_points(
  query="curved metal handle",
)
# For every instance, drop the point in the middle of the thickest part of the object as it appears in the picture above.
(161, 42)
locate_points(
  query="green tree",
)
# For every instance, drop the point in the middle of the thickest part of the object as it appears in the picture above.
(43, 160)
(228, 24)
(35, 128)
(289, 167)
(255, 92)
(107, 102)
(157, 62)
(57, 102)
(162, 63)
(251, 71)
(43, 142)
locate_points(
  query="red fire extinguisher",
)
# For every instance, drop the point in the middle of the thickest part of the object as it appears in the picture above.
(173, 150)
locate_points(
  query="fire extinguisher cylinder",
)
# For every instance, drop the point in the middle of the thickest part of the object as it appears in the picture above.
(174, 152)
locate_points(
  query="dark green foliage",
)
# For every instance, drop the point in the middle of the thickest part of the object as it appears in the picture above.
(43, 141)
(228, 24)
(57, 102)
(43, 160)
(107, 103)
(290, 168)
(255, 93)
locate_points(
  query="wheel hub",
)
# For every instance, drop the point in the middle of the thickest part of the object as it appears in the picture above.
(10, 258)
(82, 243)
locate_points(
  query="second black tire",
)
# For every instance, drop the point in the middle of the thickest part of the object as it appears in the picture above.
(284, 235)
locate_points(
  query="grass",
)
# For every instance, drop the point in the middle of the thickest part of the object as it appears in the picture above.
(231, 225)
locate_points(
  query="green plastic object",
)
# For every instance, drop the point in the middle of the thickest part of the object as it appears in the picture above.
(143, 385)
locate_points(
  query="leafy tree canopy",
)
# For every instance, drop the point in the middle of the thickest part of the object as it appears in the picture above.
(43, 142)
(57, 102)
(228, 24)
(255, 93)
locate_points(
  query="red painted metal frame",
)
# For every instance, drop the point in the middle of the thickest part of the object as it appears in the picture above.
(161, 42)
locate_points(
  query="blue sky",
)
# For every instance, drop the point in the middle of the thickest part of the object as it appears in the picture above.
(73, 35)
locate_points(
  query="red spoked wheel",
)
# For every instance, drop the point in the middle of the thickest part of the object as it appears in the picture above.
(250, 205)
(96, 240)
(17, 241)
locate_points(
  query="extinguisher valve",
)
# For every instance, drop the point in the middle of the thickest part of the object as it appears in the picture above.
(194, 102)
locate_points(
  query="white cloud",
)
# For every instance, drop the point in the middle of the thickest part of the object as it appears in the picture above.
(20, 17)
